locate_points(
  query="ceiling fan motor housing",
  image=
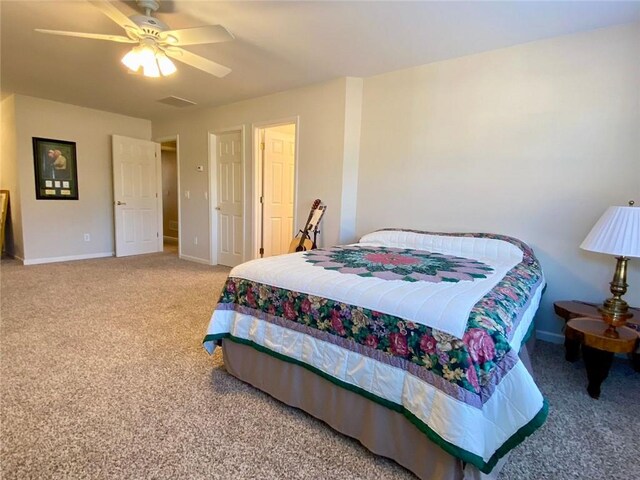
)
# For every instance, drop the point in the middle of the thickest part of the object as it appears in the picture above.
(149, 25)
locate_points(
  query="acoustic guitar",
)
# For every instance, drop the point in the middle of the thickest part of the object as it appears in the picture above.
(304, 242)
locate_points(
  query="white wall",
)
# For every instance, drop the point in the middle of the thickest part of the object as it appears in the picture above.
(9, 179)
(533, 141)
(321, 149)
(55, 229)
(352, 122)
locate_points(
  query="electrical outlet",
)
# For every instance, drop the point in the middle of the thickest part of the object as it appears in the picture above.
(187, 194)
(195, 240)
(87, 237)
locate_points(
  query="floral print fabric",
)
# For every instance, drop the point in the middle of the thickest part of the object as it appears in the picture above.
(469, 362)
(390, 263)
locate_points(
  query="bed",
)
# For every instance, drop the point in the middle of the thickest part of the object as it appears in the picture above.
(412, 342)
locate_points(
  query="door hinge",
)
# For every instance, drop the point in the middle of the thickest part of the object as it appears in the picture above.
(156, 194)
(262, 146)
(157, 234)
(261, 199)
(261, 251)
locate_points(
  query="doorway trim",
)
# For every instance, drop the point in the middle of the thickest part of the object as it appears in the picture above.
(162, 140)
(213, 189)
(257, 177)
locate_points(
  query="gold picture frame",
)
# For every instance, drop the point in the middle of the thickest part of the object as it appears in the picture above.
(4, 205)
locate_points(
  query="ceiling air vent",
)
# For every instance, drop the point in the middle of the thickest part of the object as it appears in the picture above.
(177, 102)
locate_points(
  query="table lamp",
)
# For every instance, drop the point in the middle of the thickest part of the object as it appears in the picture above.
(616, 233)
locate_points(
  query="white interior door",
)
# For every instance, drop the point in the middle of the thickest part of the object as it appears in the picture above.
(135, 195)
(230, 199)
(278, 186)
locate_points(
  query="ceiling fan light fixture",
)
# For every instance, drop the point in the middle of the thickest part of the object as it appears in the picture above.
(151, 70)
(153, 62)
(132, 59)
(167, 67)
(148, 62)
(154, 42)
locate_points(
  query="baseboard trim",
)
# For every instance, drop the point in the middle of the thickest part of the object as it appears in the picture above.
(550, 337)
(194, 259)
(70, 258)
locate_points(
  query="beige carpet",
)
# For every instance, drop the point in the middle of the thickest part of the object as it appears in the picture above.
(103, 376)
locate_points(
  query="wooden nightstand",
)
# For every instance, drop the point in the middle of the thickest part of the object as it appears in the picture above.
(573, 309)
(597, 348)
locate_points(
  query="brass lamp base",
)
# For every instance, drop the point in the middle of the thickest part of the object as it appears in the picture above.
(615, 311)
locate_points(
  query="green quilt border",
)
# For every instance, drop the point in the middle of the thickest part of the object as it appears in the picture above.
(485, 467)
(527, 335)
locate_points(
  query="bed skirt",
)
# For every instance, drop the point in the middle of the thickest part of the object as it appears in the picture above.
(352, 414)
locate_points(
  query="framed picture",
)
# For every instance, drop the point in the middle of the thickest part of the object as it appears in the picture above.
(56, 169)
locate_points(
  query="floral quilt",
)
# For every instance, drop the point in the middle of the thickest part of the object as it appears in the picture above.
(468, 362)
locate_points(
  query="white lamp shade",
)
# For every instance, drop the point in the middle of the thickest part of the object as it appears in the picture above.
(616, 233)
(166, 65)
(148, 62)
(132, 60)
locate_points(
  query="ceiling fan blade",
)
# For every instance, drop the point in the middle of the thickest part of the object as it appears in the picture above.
(95, 36)
(198, 62)
(113, 13)
(197, 35)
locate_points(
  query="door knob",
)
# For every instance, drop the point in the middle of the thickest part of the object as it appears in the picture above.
(217, 208)
(120, 203)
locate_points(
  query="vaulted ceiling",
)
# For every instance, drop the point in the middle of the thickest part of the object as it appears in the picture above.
(277, 46)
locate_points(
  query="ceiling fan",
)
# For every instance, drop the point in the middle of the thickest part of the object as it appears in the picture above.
(155, 41)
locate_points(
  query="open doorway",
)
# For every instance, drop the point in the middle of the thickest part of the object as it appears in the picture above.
(277, 174)
(170, 197)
